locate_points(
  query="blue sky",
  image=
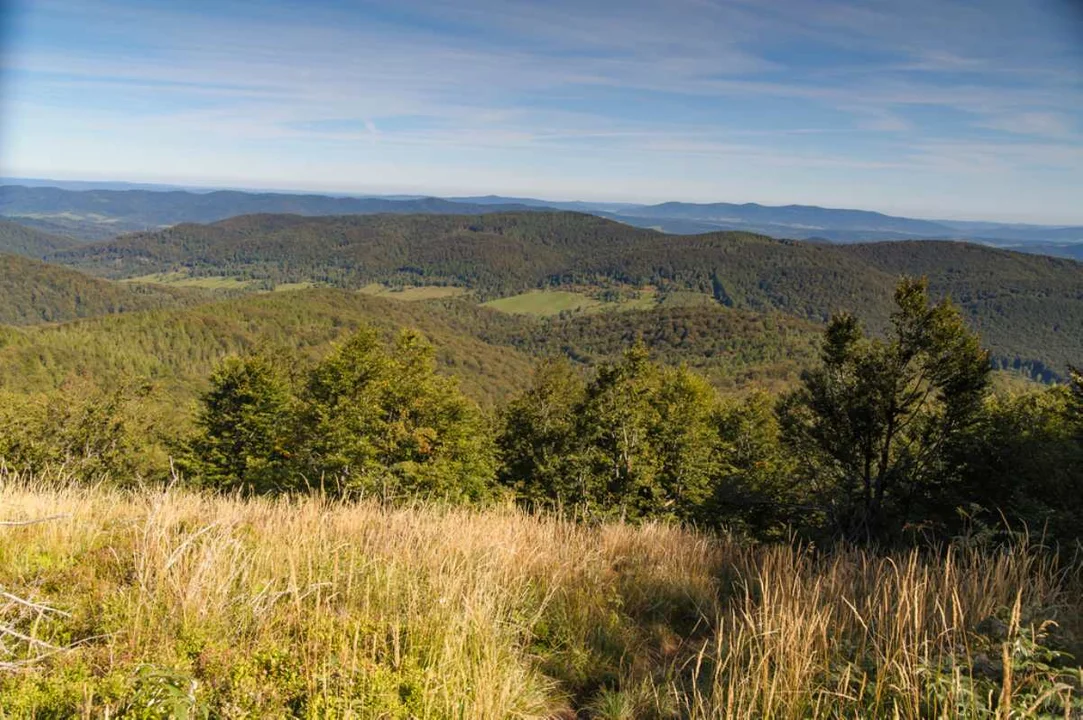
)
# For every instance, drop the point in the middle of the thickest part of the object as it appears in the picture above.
(936, 108)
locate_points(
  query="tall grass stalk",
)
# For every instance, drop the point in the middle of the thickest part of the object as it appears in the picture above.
(231, 607)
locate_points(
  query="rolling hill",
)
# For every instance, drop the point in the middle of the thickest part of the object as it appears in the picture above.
(1029, 308)
(35, 292)
(492, 353)
(19, 239)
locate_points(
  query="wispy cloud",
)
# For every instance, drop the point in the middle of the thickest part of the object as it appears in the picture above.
(851, 89)
(1041, 124)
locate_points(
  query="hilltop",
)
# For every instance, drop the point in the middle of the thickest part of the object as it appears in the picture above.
(92, 214)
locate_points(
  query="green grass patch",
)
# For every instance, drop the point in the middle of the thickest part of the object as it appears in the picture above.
(412, 293)
(288, 287)
(544, 303)
(182, 279)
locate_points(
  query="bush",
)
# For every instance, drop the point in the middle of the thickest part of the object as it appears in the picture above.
(91, 431)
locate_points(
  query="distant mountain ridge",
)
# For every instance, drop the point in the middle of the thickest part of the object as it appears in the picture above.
(130, 210)
(97, 214)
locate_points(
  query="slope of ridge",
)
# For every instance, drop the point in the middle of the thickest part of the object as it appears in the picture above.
(494, 253)
(491, 353)
(36, 292)
(797, 216)
(20, 239)
(1029, 308)
(177, 348)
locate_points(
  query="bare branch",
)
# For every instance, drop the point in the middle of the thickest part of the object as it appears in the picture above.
(23, 523)
(32, 605)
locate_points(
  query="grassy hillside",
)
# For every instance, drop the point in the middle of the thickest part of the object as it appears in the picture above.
(1029, 308)
(22, 240)
(34, 292)
(194, 605)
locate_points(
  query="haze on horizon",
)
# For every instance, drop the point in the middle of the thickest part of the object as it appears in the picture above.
(970, 109)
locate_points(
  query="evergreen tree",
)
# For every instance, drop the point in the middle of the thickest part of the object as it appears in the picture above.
(245, 428)
(386, 423)
(876, 424)
(638, 440)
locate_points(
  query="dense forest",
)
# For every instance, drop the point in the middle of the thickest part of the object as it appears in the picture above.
(18, 239)
(35, 292)
(1029, 309)
(491, 353)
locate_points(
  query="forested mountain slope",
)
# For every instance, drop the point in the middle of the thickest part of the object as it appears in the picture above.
(492, 353)
(1029, 308)
(22, 240)
(35, 292)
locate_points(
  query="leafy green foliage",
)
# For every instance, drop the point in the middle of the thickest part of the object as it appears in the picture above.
(1024, 461)
(732, 348)
(36, 292)
(365, 420)
(491, 353)
(91, 431)
(876, 424)
(179, 348)
(19, 239)
(639, 439)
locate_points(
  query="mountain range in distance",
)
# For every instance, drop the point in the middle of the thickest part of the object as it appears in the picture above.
(89, 211)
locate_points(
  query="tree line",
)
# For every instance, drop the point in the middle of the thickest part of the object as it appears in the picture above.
(888, 438)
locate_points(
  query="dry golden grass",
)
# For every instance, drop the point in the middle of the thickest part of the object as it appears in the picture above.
(188, 605)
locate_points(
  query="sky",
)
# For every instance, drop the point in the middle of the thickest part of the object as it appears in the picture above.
(960, 109)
